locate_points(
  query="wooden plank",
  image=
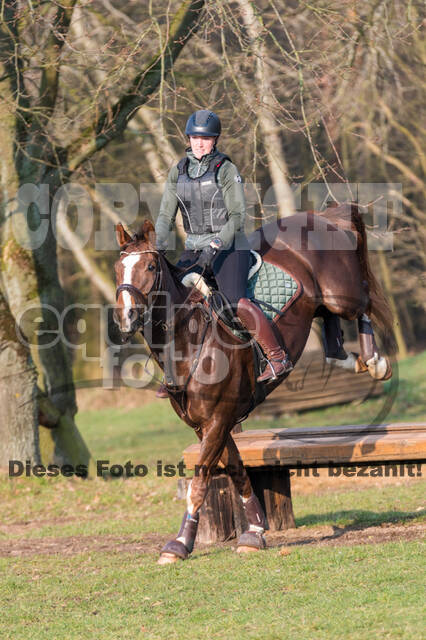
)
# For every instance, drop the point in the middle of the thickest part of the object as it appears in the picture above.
(269, 454)
(324, 430)
(314, 383)
(337, 445)
(322, 385)
(371, 448)
(289, 406)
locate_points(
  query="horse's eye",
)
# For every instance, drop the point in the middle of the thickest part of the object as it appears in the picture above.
(151, 267)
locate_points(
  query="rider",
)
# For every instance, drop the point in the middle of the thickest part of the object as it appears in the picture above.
(207, 188)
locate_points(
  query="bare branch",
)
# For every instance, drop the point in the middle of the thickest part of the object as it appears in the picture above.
(53, 48)
(112, 122)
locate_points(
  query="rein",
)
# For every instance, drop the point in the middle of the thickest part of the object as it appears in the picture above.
(179, 392)
(143, 299)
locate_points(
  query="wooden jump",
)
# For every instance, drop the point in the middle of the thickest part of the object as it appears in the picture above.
(270, 454)
(314, 384)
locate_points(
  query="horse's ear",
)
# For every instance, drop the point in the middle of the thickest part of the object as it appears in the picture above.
(121, 234)
(148, 232)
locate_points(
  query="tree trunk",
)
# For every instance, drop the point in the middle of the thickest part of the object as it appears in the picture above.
(387, 283)
(32, 297)
(272, 487)
(32, 304)
(18, 395)
(221, 515)
(264, 108)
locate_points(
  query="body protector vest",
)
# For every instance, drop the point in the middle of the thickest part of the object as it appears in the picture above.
(200, 199)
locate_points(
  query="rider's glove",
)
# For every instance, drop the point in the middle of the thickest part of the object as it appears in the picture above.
(208, 253)
(206, 257)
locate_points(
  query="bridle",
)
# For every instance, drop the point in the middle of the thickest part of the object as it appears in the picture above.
(137, 293)
(143, 297)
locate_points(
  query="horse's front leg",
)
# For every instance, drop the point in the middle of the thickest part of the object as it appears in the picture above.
(212, 445)
(252, 539)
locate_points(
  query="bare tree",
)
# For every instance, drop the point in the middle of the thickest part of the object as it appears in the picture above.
(50, 125)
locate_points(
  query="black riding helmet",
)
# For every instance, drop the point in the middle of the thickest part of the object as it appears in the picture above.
(203, 123)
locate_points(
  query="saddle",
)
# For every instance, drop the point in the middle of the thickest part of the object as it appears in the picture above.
(268, 285)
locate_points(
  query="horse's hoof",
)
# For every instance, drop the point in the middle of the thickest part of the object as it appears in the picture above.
(244, 549)
(174, 548)
(168, 558)
(251, 541)
(379, 368)
(389, 371)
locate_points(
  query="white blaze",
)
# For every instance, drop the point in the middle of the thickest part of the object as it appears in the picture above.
(128, 263)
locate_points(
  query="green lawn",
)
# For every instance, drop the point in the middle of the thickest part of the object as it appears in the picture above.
(351, 592)
(359, 591)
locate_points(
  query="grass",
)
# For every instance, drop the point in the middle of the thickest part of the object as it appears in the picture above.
(352, 592)
(345, 592)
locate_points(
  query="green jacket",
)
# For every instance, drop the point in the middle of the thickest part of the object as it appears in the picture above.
(229, 181)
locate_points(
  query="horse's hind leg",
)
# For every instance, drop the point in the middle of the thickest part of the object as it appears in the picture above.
(332, 337)
(369, 360)
(378, 366)
(252, 539)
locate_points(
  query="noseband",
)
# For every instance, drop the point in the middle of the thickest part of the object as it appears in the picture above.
(134, 291)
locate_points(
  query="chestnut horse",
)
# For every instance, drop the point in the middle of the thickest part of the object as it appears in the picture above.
(209, 372)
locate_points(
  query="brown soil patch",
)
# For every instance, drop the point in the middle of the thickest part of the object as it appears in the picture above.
(71, 545)
(324, 536)
(331, 536)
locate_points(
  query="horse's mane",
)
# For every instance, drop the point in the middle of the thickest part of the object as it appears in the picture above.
(174, 275)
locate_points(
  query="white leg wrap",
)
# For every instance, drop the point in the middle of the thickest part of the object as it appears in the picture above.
(189, 505)
(256, 529)
(348, 363)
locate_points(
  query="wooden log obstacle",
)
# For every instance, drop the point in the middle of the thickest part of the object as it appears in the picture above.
(270, 456)
(314, 384)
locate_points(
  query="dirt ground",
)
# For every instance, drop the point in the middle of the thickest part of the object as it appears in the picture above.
(321, 536)
(284, 541)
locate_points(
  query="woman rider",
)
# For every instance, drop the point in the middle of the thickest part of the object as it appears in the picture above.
(207, 188)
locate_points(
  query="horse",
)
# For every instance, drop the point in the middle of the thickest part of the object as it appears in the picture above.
(210, 373)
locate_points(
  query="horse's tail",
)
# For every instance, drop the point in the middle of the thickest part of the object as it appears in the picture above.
(378, 308)
(347, 216)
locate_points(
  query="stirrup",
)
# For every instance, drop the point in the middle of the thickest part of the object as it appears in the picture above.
(288, 366)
